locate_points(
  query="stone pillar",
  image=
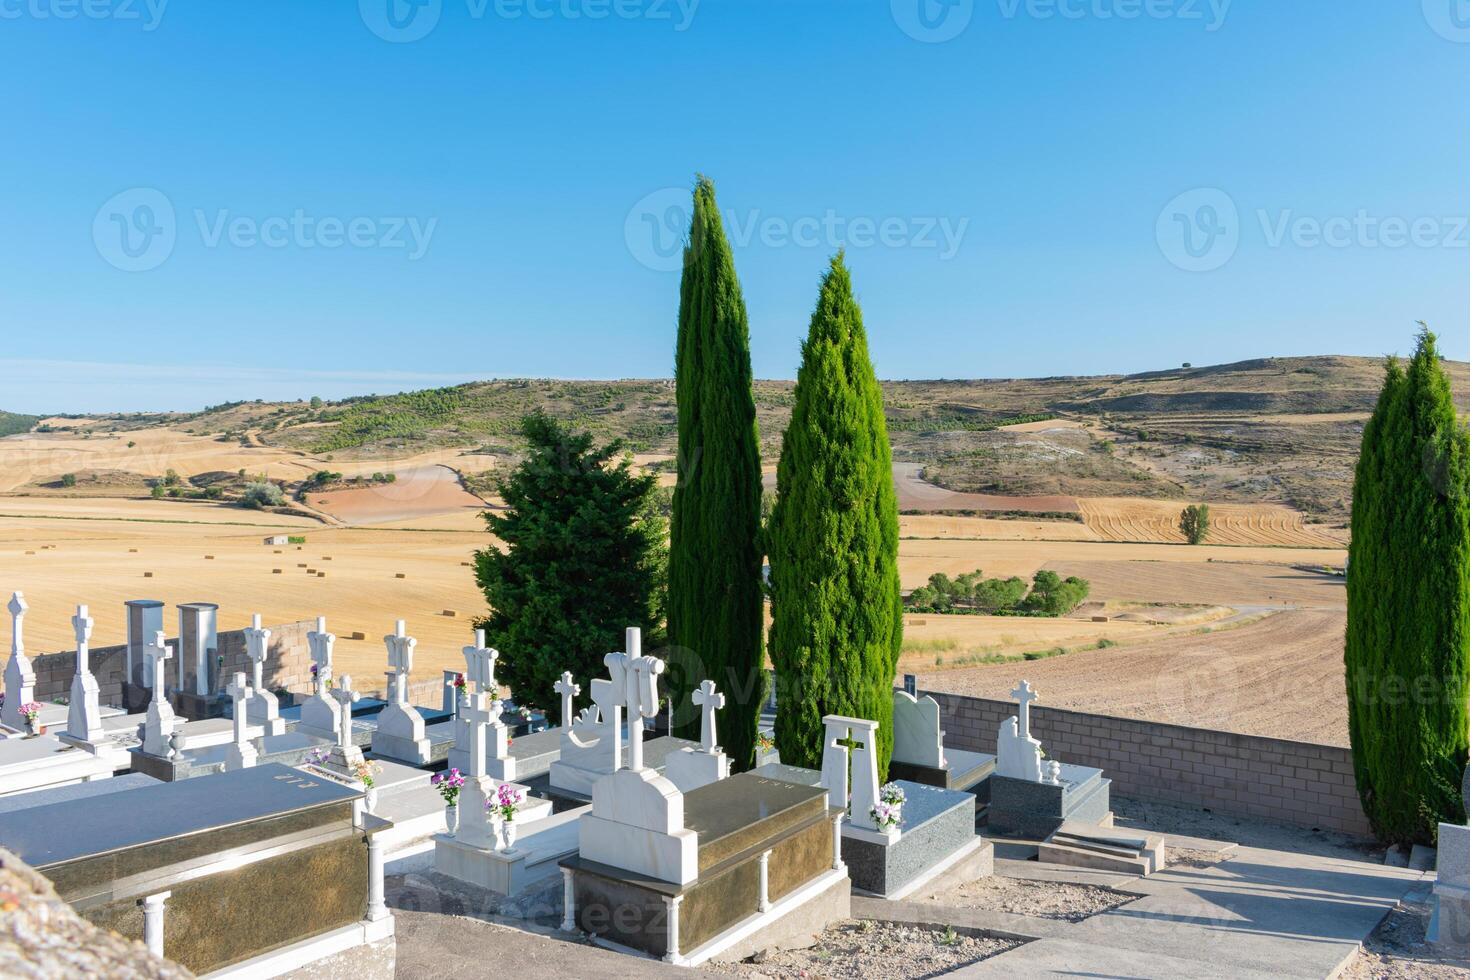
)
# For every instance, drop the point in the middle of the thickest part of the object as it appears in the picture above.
(568, 901)
(672, 903)
(153, 921)
(377, 909)
(198, 644)
(145, 619)
(837, 864)
(763, 902)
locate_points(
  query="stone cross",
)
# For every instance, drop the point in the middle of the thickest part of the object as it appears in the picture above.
(480, 710)
(859, 737)
(320, 642)
(709, 701)
(158, 726)
(1024, 695)
(568, 690)
(635, 685)
(257, 647)
(344, 695)
(400, 658)
(480, 665)
(241, 754)
(20, 676)
(83, 716)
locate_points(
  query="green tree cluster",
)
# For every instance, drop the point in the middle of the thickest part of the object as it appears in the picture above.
(1047, 595)
(1409, 604)
(583, 557)
(836, 609)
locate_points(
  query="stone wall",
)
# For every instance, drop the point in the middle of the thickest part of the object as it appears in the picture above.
(1275, 779)
(287, 668)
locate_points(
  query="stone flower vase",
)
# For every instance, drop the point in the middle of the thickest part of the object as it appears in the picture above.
(34, 727)
(507, 835)
(451, 819)
(371, 802)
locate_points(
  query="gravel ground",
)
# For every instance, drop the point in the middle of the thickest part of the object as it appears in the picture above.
(1396, 950)
(1183, 857)
(1042, 899)
(876, 951)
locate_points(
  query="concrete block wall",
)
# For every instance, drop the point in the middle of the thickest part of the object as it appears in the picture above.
(1274, 779)
(287, 667)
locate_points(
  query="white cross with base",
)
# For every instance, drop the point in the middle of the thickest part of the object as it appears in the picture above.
(17, 607)
(400, 658)
(240, 694)
(1024, 695)
(81, 625)
(568, 690)
(638, 677)
(479, 663)
(158, 654)
(320, 643)
(257, 642)
(709, 701)
(344, 695)
(479, 712)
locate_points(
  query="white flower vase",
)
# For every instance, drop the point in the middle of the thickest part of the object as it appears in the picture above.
(33, 727)
(451, 819)
(371, 802)
(507, 835)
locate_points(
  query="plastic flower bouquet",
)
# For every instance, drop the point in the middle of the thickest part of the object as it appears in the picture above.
(448, 783)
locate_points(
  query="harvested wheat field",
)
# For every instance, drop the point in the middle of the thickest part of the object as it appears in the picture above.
(1280, 676)
(929, 639)
(1228, 583)
(1124, 519)
(418, 492)
(991, 529)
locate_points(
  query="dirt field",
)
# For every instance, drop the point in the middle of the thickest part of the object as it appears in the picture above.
(916, 494)
(425, 491)
(1280, 677)
(1122, 519)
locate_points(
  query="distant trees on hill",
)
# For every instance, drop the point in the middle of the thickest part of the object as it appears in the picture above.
(1048, 595)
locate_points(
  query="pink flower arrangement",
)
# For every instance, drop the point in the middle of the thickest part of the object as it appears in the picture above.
(367, 772)
(448, 783)
(506, 801)
(30, 711)
(460, 683)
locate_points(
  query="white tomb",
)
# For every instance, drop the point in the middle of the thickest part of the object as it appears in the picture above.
(241, 752)
(852, 743)
(319, 713)
(20, 676)
(690, 769)
(345, 757)
(917, 736)
(637, 818)
(84, 713)
(1017, 754)
(400, 732)
(591, 746)
(264, 709)
(491, 734)
(158, 725)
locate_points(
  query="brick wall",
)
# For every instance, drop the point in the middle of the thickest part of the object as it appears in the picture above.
(287, 667)
(1275, 779)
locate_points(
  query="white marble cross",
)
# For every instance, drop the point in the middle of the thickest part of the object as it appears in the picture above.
(1024, 695)
(158, 725)
(320, 642)
(83, 715)
(480, 665)
(257, 648)
(400, 658)
(344, 695)
(479, 711)
(568, 690)
(709, 701)
(859, 737)
(241, 754)
(635, 681)
(20, 676)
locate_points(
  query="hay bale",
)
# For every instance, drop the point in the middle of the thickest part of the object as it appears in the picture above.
(209, 557)
(132, 551)
(147, 574)
(358, 635)
(1100, 619)
(399, 575)
(275, 571)
(449, 614)
(321, 574)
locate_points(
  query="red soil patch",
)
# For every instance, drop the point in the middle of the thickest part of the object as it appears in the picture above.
(915, 493)
(422, 492)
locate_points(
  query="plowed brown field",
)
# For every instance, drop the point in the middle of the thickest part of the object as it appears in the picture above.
(1124, 519)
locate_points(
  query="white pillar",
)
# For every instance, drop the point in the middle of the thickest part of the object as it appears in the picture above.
(377, 909)
(568, 902)
(671, 902)
(837, 864)
(153, 922)
(763, 904)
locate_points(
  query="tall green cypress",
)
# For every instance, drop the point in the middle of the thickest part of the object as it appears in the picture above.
(836, 610)
(1408, 592)
(715, 605)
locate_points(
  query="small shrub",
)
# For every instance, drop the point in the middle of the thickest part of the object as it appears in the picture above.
(69, 480)
(264, 494)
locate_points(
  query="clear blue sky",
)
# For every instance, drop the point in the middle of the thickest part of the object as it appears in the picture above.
(534, 155)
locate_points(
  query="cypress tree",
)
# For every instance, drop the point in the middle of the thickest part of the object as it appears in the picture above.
(1408, 592)
(836, 610)
(715, 605)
